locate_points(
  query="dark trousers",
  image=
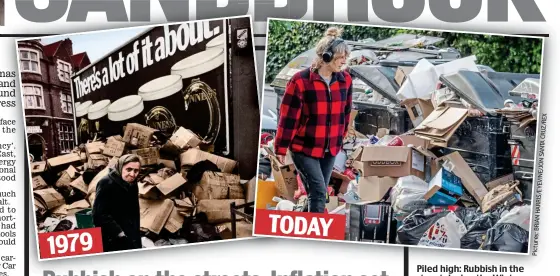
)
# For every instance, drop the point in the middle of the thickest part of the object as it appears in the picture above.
(315, 174)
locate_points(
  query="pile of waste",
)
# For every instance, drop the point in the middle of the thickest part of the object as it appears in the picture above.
(185, 191)
(447, 180)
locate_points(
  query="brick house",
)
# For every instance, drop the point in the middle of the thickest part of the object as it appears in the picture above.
(45, 80)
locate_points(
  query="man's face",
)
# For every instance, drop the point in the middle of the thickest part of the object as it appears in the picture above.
(130, 171)
(338, 62)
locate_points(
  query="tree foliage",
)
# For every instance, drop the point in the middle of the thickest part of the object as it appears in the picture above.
(288, 39)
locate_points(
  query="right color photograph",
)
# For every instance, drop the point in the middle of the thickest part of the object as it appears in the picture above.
(409, 137)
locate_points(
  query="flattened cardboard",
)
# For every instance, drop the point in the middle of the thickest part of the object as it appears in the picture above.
(216, 185)
(93, 184)
(498, 196)
(418, 110)
(457, 165)
(114, 147)
(148, 156)
(184, 206)
(97, 160)
(79, 185)
(154, 214)
(39, 183)
(138, 135)
(171, 184)
(49, 198)
(218, 210)
(184, 138)
(193, 156)
(38, 167)
(441, 124)
(499, 181)
(373, 188)
(66, 159)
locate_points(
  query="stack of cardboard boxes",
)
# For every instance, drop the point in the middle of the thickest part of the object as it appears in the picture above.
(65, 185)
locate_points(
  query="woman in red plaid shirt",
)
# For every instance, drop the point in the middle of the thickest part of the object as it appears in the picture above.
(314, 117)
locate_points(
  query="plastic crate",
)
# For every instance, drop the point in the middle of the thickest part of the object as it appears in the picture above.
(84, 218)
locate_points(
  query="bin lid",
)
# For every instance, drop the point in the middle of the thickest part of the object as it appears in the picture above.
(475, 89)
(380, 78)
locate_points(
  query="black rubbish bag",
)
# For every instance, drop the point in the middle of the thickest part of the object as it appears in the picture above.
(477, 224)
(507, 237)
(415, 225)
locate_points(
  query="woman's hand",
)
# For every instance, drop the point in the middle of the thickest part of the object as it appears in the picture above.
(281, 158)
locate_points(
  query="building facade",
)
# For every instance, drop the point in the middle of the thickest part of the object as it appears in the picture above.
(47, 98)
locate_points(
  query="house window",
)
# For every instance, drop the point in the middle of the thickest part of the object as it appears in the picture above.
(29, 61)
(65, 137)
(64, 70)
(33, 96)
(66, 102)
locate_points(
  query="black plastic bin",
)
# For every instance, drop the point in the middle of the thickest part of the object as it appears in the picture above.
(483, 143)
(523, 145)
(372, 117)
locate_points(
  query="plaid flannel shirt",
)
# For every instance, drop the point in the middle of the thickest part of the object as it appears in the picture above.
(311, 119)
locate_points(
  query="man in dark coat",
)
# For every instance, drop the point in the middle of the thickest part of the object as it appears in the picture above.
(116, 208)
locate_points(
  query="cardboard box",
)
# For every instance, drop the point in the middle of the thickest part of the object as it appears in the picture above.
(218, 210)
(38, 167)
(373, 188)
(250, 190)
(149, 156)
(39, 183)
(175, 221)
(217, 185)
(390, 161)
(66, 159)
(402, 73)
(171, 184)
(243, 229)
(455, 163)
(114, 147)
(49, 198)
(167, 163)
(97, 160)
(445, 189)
(284, 178)
(138, 135)
(72, 209)
(441, 124)
(94, 147)
(184, 138)
(79, 185)
(418, 110)
(332, 204)
(193, 156)
(67, 176)
(154, 214)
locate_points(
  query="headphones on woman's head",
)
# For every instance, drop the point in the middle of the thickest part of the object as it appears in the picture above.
(328, 54)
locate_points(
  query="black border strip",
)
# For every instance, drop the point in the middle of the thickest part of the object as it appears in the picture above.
(26, 211)
(405, 261)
